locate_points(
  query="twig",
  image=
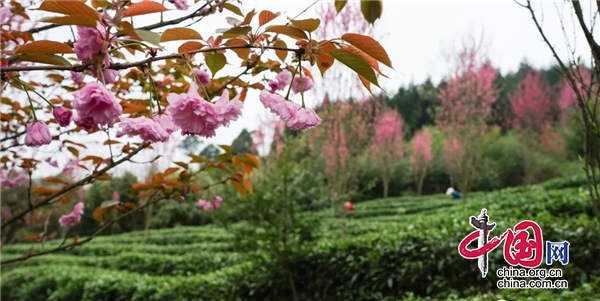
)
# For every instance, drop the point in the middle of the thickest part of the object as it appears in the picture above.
(62, 247)
(73, 186)
(121, 66)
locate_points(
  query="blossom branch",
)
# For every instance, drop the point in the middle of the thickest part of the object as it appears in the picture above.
(73, 186)
(121, 66)
(63, 247)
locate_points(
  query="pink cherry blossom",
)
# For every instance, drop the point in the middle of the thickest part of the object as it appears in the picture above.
(148, 129)
(86, 123)
(180, 4)
(166, 122)
(278, 105)
(203, 77)
(280, 81)
(70, 166)
(303, 119)
(228, 110)
(73, 218)
(96, 102)
(12, 182)
(287, 109)
(302, 85)
(38, 134)
(51, 162)
(77, 77)
(193, 114)
(217, 202)
(62, 116)
(116, 196)
(206, 205)
(270, 100)
(93, 44)
(5, 14)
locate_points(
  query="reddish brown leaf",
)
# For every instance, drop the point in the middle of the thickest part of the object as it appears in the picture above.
(41, 190)
(54, 180)
(69, 8)
(99, 213)
(180, 33)
(242, 53)
(171, 170)
(265, 17)
(190, 46)
(143, 8)
(369, 46)
(281, 54)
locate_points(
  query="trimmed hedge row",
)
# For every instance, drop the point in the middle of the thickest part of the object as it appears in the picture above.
(376, 261)
(95, 249)
(69, 283)
(143, 263)
(586, 292)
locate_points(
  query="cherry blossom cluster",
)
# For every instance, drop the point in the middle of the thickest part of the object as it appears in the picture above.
(96, 106)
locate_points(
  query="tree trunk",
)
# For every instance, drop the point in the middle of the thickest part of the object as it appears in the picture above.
(420, 185)
(291, 281)
(147, 227)
(386, 188)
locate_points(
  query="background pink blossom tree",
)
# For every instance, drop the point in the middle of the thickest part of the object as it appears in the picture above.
(532, 103)
(466, 102)
(421, 157)
(387, 147)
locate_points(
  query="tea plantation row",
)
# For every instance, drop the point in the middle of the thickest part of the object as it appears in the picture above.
(392, 247)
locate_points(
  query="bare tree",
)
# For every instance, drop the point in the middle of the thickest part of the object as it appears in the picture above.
(585, 88)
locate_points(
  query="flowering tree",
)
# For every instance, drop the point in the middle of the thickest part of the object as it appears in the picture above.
(118, 88)
(531, 103)
(466, 102)
(387, 147)
(421, 157)
(343, 136)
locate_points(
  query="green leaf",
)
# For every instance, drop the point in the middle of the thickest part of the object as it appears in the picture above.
(108, 204)
(232, 8)
(307, 25)
(80, 20)
(371, 10)
(356, 63)
(215, 62)
(369, 46)
(180, 33)
(339, 5)
(148, 36)
(226, 148)
(49, 59)
(236, 32)
(287, 30)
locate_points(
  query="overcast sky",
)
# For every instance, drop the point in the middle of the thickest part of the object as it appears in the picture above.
(420, 37)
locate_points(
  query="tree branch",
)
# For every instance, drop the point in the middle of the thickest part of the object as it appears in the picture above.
(62, 247)
(588, 35)
(121, 66)
(73, 186)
